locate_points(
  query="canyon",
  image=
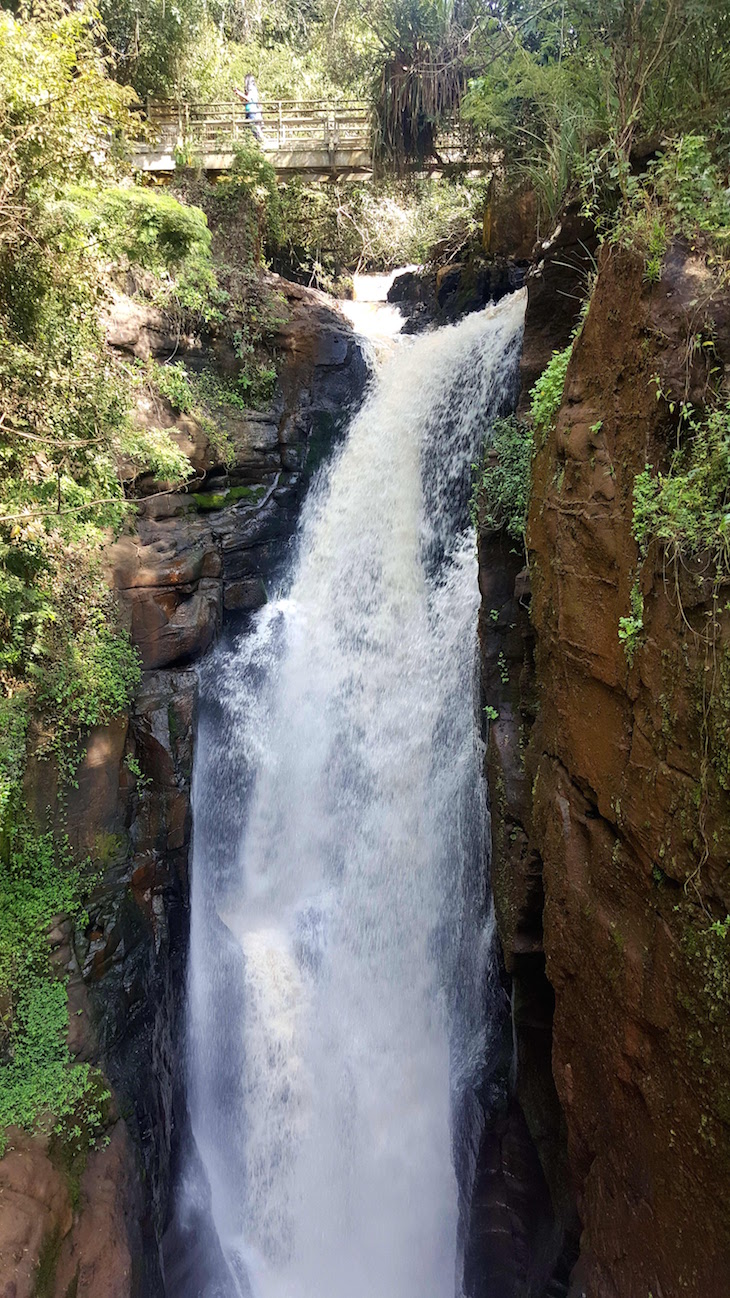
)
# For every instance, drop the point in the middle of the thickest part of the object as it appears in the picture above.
(606, 1110)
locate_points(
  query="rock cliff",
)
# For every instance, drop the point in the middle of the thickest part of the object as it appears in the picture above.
(609, 806)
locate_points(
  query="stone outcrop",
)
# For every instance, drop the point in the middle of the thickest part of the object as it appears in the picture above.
(441, 296)
(631, 873)
(193, 556)
(609, 809)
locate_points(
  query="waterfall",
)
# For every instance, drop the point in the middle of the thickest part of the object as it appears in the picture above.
(338, 998)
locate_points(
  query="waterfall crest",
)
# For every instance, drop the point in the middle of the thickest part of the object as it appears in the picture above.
(340, 931)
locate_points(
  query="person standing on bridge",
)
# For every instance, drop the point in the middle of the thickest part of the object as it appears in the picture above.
(251, 98)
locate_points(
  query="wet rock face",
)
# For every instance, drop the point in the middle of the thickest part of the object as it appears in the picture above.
(514, 1238)
(442, 296)
(536, 1163)
(613, 817)
(523, 1227)
(192, 556)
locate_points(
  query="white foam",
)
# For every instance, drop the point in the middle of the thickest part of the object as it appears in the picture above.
(338, 918)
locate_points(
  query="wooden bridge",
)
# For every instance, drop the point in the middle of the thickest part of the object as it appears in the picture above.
(298, 136)
(320, 137)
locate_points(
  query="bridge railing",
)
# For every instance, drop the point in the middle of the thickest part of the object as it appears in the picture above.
(288, 125)
(297, 134)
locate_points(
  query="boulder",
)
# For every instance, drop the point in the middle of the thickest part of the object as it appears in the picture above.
(140, 329)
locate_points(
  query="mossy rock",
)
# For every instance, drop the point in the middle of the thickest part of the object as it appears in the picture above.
(205, 501)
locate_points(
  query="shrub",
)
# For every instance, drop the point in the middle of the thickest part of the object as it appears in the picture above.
(631, 627)
(547, 393)
(40, 1078)
(327, 232)
(682, 192)
(687, 508)
(14, 728)
(207, 396)
(688, 184)
(152, 450)
(87, 669)
(501, 492)
(253, 175)
(150, 230)
(38, 881)
(143, 227)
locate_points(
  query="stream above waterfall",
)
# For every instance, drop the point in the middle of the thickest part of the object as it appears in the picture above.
(340, 983)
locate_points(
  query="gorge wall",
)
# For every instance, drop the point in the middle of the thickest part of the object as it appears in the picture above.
(609, 802)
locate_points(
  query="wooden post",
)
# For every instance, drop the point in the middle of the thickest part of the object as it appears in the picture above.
(331, 136)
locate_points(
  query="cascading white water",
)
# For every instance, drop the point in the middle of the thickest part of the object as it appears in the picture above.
(339, 926)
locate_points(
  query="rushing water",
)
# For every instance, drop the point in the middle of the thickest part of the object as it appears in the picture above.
(338, 1017)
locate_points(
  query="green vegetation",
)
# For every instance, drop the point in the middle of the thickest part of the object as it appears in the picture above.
(208, 397)
(547, 393)
(91, 667)
(140, 227)
(501, 491)
(327, 232)
(683, 512)
(630, 628)
(207, 500)
(686, 508)
(502, 486)
(38, 881)
(709, 949)
(683, 192)
(574, 91)
(203, 49)
(147, 230)
(14, 730)
(63, 408)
